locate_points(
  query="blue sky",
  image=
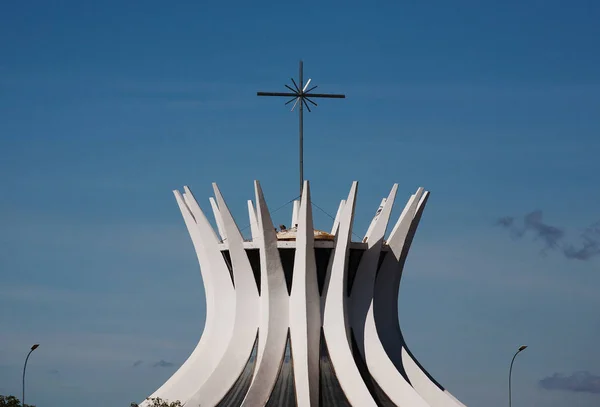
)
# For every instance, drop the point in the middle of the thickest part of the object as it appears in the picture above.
(106, 107)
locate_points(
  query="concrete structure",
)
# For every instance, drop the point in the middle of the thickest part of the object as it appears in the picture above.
(302, 317)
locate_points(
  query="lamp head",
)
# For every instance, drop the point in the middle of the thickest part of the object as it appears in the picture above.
(34, 347)
(522, 347)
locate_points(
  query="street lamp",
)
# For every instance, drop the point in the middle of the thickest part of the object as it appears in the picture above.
(34, 347)
(521, 348)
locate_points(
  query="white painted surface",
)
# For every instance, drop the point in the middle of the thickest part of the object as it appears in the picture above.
(218, 219)
(305, 309)
(220, 306)
(296, 207)
(364, 281)
(274, 315)
(387, 284)
(419, 378)
(435, 396)
(335, 316)
(246, 316)
(336, 221)
(254, 230)
(374, 220)
(379, 359)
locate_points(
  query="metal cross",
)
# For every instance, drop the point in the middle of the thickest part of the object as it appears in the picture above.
(299, 93)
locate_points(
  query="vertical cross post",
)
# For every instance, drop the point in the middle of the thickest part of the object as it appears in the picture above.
(300, 95)
(301, 129)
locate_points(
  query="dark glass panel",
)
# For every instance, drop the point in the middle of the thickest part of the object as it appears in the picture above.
(227, 258)
(322, 259)
(284, 392)
(331, 393)
(353, 262)
(236, 394)
(287, 256)
(254, 258)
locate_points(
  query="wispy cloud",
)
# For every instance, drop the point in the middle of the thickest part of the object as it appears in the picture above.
(590, 247)
(506, 221)
(137, 363)
(580, 382)
(163, 363)
(554, 237)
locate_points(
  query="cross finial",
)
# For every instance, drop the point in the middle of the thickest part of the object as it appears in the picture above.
(301, 95)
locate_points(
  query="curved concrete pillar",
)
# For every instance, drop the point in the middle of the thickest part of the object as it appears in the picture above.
(379, 359)
(335, 317)
(220, 306)
(245, 325)
(274, 314)
(361, 294)
(305, 312)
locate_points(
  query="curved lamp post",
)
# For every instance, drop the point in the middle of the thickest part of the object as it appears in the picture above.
(34, 347)
(521, 348)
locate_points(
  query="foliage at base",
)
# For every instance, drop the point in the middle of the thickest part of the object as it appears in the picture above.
(12, 401)
(158, 402)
